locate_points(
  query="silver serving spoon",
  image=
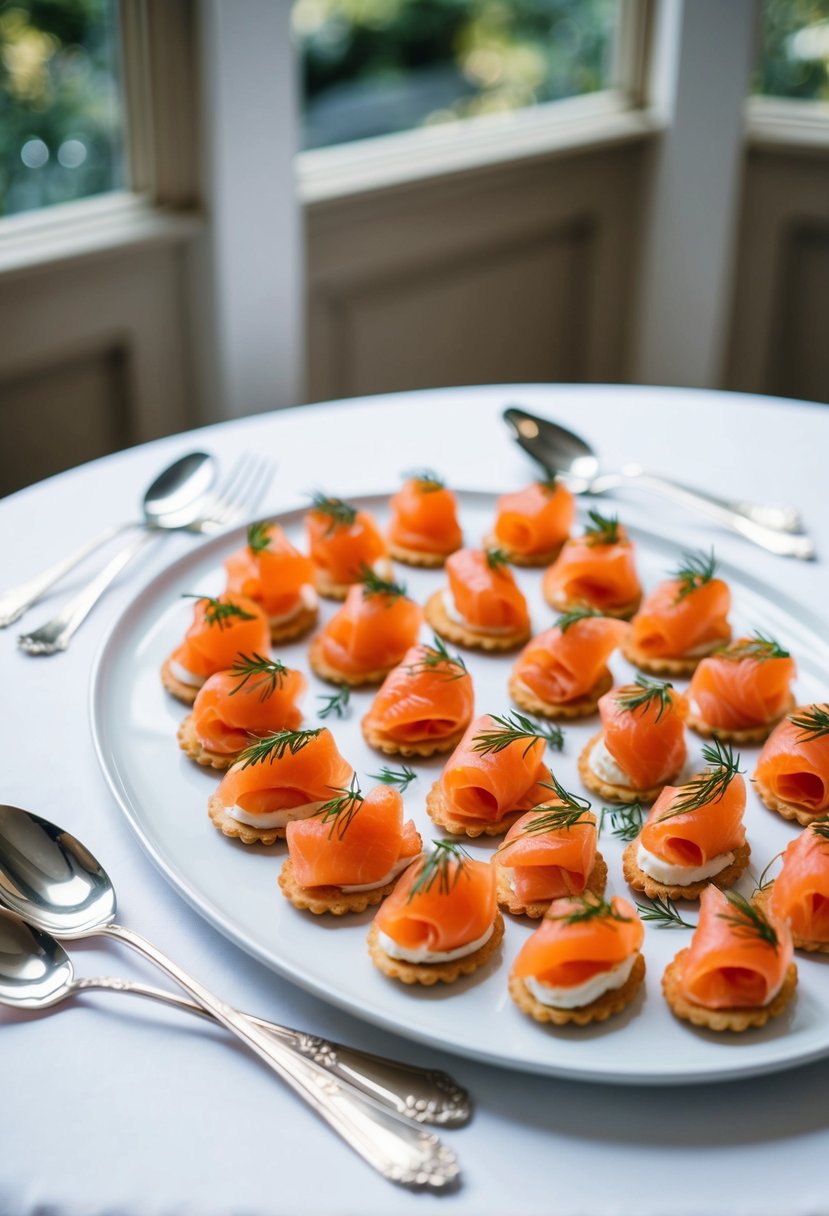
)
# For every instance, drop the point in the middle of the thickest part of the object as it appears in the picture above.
(563, 454)
(51, 880)
(167, 503)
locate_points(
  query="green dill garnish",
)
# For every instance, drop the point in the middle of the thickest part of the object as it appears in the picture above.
(340, 810)
(644, 691)
(219, 612)
(748, 921)
(437, 656)
(758, 646)
(401, 777)
(549, 484)
(336, 704)
(820, 827)
(573, 810)
(444, 866)
(602, 530)
(374, 585)
(590, 907)
(695, 570)
(709, 786)
(339, 512)
(663, 913)
(427, 479)
(259, 538)
(813, 722)
(496, 559)
(274, 746)
(572, 618)
(266, 674)
(515, 728)
(625, 821)
(764, 881)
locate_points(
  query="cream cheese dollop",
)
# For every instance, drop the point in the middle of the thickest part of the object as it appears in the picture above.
(680, 876)
(308, 601)
(582, 994)
(273, 819)
(422, 955)
(451, 610)
(396, 869)
(184, 676)
(605, 767)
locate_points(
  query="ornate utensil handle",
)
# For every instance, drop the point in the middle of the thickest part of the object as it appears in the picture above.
(423, 1095)
(402, 1153)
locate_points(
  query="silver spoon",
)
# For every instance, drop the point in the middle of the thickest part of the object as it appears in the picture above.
(166, 504)
(562, 453)
(51, 880)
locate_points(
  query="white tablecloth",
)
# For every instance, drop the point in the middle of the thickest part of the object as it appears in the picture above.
(117, 1106)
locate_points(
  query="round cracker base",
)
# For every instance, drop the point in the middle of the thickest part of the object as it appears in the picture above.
(599, 1010)
(529, 561)
(421, 558)
(240, 831)
(429, 747)
(661, 665)
(737, 1019)
(296, 627)
(640, 881)
(789, 810)
(429, 974)
(581, 707)
(623, 612)
(188, 743)
(753, 734)
(509, 901)
(761, 900)
(330, 590)
(614, 793)
(321, 667)
(185, 693)
(320, 900)
(436, 615)
(439, 814)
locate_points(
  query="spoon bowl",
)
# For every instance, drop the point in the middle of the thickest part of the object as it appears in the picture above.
(35, 970)
(173, 493)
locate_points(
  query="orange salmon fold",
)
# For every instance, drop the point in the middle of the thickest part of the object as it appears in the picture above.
(735, 694)
(563, 955)
(226, 712)
(646, 744)
(561, 666)
(729, 967)
(342, 551)
(417, 704)
(371, 631)
(549, 864)
(365, 852)
(601, 576)
(693, 838)
(800, 894)
(445, 916)
(488, 786)
(208, 648)
(534, 520)
(300, 780)
(669, 627)
(796, 768)
(486, 597)
(424, 517)
(274, 576)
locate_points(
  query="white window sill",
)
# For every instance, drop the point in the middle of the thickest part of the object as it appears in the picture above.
(779, 122)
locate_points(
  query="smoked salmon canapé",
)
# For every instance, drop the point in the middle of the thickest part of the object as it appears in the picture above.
(343, 541)
(368, 636)
(440, 922)
(597, 570)
(221, 630)
(424, 705)
(532, 524)
(682, 620)
(287, 775)
(563, 672)
(738, 970)
(641, 746)
(278, 577)
(549, 853)
(582, 964)
(495, 774)
(694, 835)
(256, 696)
(792, 774)
(423, 529)
(800, 892)
(482, 607)
(350, 853)
(741, 692)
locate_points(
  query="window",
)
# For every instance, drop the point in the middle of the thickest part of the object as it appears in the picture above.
(794, 50)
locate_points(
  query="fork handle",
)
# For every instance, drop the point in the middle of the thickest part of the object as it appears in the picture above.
(56, 634)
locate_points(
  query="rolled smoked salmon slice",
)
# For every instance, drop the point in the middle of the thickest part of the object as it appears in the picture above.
(642, 743)
(597, 570)
(682, 619)
(565, 668)
(792, 774)
(483, 606)
(800, 893)
(424, 527)
(741, 692)
(271, 571)
(343, 542)
(532, 524)
(424, 705)
(369, 635)
(221, 629)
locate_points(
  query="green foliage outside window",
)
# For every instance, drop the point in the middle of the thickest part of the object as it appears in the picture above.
(794, 50)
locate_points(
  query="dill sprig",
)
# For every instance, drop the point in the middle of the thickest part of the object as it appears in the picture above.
(429, 482)
(259, 538)
(663, 913)
(590, 907)
(274, 746)
(437, 656)
(573, 810)
(264, 674)
(813, 722)
(336, 704)
(602, 529)
(820, 827)
(516, 728)
(640, 695)
(625, 821)
(695, 570)
(572, 618)
(443, 867)
(758, 646)
(764, 881)
(401, 777)
(340, 810)
(709, 786)
(218, 612)
(340, 513)
(374, 585)
(496, 559)
(748, 921)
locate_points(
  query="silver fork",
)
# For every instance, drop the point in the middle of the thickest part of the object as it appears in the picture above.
(238, 495)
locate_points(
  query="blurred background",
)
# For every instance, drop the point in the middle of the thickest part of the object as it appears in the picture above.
(210, 208)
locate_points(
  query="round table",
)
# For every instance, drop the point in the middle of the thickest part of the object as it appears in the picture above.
(116, 1105)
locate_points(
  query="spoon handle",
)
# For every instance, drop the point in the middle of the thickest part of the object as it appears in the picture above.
(400, 1151)
(425, 1095)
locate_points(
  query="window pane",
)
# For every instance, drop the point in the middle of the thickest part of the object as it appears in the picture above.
(371, 67)
(61, 115)
(794, 49)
